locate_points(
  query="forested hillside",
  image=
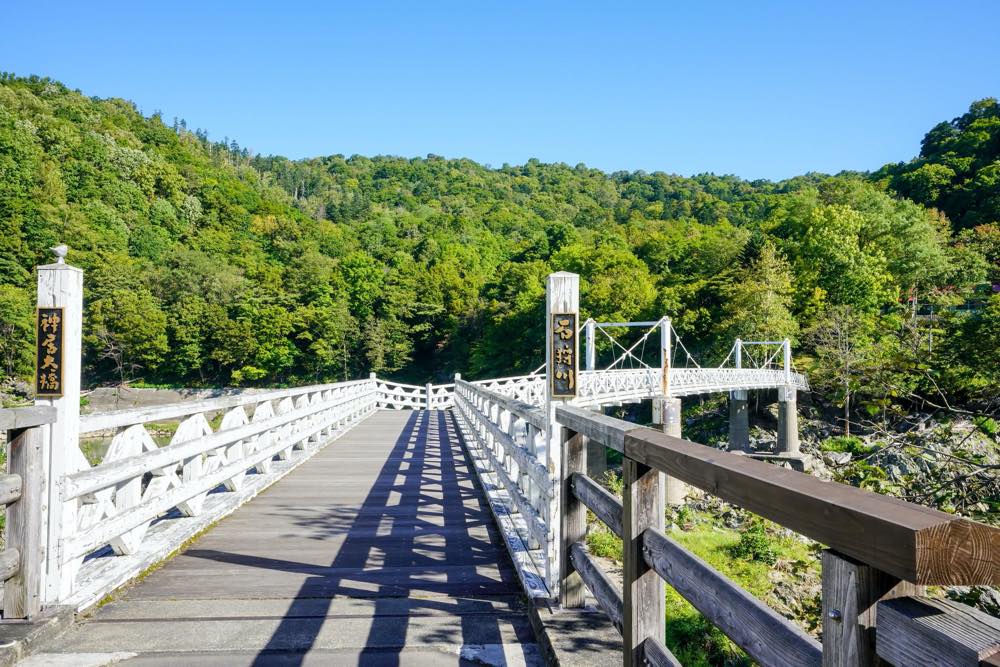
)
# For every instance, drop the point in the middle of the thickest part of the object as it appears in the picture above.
(207, 265)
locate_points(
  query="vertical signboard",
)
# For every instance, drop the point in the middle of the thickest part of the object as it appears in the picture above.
(49, 353)
(565, 364)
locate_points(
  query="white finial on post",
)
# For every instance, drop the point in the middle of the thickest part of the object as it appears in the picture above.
(60, 252)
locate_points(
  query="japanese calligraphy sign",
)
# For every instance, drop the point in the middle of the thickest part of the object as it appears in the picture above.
(49, 354)
(564, 355)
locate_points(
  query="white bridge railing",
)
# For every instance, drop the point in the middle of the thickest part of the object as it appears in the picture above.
(143, 500)
(505, 438)
(628, 385)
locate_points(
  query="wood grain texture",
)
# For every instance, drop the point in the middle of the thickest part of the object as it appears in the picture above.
(604, 590)
(22, 591)
(574, 519)
(655, 654)
(766, 636)
(598, 500)
(851, 591)
(10, 560)
(599, 427)
(643, 591)
(10, 488)
(26, 417)
(911, 542)
(921, 631)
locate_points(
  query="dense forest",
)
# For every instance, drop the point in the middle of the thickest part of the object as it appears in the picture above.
(208, 265)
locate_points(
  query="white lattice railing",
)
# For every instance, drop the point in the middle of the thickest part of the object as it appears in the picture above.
(401, 396)
(142, 501)
(617, 386)
(506, 440)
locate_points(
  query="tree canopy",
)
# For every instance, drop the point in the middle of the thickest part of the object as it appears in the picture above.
(208, 265)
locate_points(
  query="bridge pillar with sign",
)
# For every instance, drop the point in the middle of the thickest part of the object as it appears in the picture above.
(562, 371)
(57, 384)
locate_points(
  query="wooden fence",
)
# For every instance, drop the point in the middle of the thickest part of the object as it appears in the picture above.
(22, 561)
(880, 553)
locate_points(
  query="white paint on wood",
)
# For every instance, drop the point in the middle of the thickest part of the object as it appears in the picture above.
(61, 285)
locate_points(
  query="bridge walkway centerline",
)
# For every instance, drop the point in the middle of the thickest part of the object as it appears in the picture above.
(380, 550)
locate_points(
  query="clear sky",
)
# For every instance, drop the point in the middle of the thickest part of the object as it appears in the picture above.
(760, 89)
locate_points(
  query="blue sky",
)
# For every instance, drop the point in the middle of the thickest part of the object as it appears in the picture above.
(759, 89)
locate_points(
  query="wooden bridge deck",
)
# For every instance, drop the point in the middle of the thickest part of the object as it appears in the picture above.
(378, 551)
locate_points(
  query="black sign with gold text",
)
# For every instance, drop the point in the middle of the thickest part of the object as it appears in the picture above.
(564, 352)
(49, 355)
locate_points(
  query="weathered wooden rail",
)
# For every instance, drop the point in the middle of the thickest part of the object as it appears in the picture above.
(877, 549)
(22, 561)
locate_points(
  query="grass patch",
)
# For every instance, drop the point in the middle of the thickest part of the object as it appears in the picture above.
(850, 444)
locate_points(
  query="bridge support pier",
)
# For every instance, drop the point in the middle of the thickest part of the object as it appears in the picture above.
(788, 422)
(674, 490)
(739, 421)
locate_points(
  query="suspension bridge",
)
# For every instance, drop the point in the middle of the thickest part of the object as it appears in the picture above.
(375, 522)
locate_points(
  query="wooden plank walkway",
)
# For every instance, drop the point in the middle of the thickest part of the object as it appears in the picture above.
(377, 551)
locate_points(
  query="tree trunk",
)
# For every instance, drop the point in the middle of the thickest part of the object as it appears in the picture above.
(847, 415)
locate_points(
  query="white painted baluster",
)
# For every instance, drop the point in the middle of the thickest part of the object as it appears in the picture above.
(285, 433)
(263, 412)
(237, 451)
(193, 469)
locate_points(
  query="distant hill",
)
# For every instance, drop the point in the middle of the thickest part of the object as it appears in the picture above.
(208, 265)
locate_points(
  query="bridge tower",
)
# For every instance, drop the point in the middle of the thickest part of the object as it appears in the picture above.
(788, 416)
(739, 415)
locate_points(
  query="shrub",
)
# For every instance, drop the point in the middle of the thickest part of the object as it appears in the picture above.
(755, 544)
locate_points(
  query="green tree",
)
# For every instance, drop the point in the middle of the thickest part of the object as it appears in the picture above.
(758, 301)
(16, 330)
(128, 331)
(844, 344)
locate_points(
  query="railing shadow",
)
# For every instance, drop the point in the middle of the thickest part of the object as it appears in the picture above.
(415, 519)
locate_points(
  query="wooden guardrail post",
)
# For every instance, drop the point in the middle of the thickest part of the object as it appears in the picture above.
(574, 519)
(22, 593)
(562, 298)
(61, 286)
(642, 588)
(851, 592)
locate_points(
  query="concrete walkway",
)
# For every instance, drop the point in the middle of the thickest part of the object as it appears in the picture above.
(378, 551)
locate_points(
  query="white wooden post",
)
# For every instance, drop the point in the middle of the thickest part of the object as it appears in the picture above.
(788, 361)
(591, 356)
(562, 295)
(61, 286)
(429, 391)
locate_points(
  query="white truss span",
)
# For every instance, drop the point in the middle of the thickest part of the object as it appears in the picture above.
(623, 386)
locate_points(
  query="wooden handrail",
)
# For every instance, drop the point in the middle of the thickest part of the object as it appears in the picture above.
(912, 542)
(880, 548)
(767, 636)
(915, 543)
(118, 418)
(26, 417)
